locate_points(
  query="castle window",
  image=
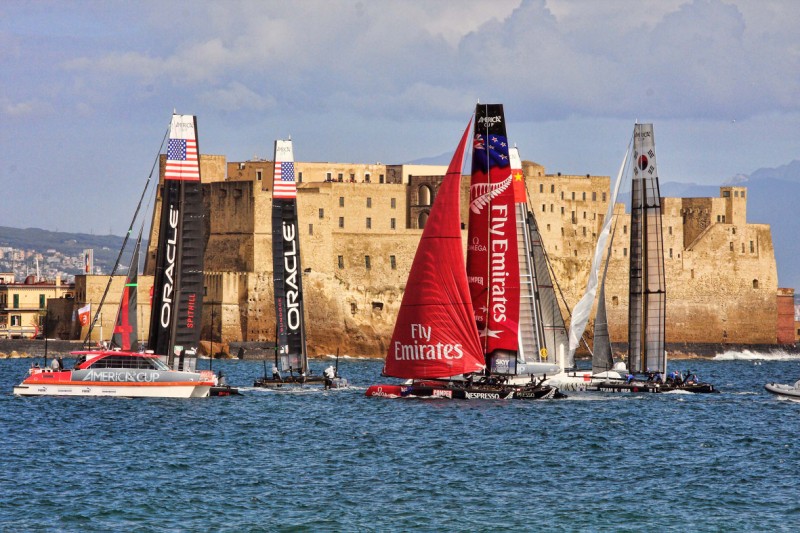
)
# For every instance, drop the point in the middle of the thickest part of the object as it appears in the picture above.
(381, 178)
(752, 249)
(670, 253)
(258, 175)
(393, 223)
(733, 230)
(393, 262)
(369, 202)
(548, 227)
(692, 274)
(341, 177)
(670, 230)
(341, 261)
(422, 220)
(367, 262)
(366, 177)
(341, 201)
(341, 222)
(742, 195)
(328, 177)
(719, 219)
(731, 244)
(615, 300)
(353, 308)
(742, 247)
(424, 193)
(562, 195)
(311, 229)
(394, 203)
(544, 208)
(584, 196)
(624, 229)
(562, 209)
(574, 218)
(541, 188)
(726, 194)
(321, 212)
(552, 187)
(594, 196)
(369, 223)
(584, 231)
(300, 177)
(755, 283)
(352, 178)
(562, 231)
(573, 195)
(575, 252)
(723, 219)
(604, 197)
(736, 194)
(624, 252)
(584, 215)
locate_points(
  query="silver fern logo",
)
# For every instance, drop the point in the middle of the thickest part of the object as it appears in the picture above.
(482, 193)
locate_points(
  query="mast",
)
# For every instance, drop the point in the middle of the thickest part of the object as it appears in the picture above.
(647, 300)
(287, 274)
(492, 253)
(178, 283)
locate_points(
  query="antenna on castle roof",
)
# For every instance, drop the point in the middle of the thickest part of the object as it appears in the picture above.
(174, 111)
(290, 136)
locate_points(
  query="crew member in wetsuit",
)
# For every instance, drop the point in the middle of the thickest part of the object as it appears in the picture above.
(329, 373)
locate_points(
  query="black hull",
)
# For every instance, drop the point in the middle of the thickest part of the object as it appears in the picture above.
(638, 387)
(296, 381)
(457, 391)
(224, 391)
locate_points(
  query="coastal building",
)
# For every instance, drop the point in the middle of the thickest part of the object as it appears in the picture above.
(360, 225)
(24, 305)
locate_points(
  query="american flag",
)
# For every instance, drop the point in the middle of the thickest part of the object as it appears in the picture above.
(283, 184)
(182, 160)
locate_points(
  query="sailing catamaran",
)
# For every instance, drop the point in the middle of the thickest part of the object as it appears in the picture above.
(436, 342)
(177, 301)
(291, 355)
(647, 356)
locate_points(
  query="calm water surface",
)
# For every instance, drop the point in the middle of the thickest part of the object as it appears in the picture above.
(336, 460)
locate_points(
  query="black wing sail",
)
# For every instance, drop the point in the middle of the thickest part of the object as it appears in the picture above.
(287, 272)
(178, 285)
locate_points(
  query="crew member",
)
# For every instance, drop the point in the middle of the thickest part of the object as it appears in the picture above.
(329, 373)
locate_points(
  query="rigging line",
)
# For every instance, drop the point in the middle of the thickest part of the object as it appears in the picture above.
(125, 240)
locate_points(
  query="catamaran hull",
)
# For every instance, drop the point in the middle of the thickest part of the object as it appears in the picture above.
(132, 390)
(293, 382)
(786, 391)
(647, 387)
(463, 393)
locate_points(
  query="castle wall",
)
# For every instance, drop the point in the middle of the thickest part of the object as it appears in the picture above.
(786, 324)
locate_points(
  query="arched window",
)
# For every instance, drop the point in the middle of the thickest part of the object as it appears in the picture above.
(425, 195)
(423, 218)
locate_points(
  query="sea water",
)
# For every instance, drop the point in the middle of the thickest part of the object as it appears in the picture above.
(314, 460)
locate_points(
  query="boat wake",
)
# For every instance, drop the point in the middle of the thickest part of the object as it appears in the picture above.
(747, 355)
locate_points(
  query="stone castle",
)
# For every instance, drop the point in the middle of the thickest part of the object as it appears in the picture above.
(360, 224)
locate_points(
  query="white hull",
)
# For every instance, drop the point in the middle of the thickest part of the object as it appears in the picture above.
(115, 389)
(787, 391)
(579, 380)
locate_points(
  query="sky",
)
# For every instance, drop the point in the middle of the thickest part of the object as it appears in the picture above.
(87, 88)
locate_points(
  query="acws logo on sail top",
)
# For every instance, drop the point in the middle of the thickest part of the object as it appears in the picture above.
(490, 121)
(423, 349)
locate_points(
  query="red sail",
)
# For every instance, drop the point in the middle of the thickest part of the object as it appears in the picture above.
(492, 257)
(435, 334)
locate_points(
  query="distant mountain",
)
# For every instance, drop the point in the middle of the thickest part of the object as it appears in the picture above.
(106, 247)
(441, 159)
